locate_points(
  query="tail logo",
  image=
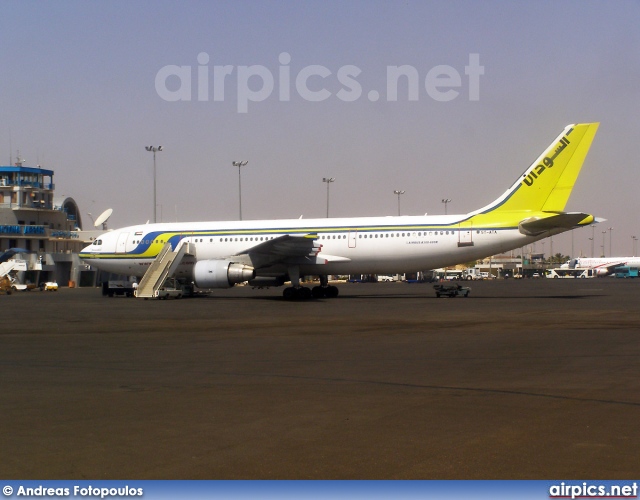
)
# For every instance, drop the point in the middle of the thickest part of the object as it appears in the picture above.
(547, 162)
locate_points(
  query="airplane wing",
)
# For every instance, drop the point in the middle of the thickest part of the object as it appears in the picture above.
(288, 249)
(610, 267)
(534, 226)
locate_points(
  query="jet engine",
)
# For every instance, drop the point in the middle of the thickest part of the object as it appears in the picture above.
(221, 273)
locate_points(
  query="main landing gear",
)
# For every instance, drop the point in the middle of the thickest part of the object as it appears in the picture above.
(297, 292)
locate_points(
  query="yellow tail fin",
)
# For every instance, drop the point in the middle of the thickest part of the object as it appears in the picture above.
(546, 185)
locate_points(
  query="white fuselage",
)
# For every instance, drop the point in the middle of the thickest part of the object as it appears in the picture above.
(364, 245)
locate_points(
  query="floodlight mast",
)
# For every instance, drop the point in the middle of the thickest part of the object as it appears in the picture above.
(328, 180)
(446, 201)
(239, 164)
(154, 149)
(398, 192)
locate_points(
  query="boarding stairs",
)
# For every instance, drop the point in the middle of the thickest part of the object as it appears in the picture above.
(163, 267)
(7, 267)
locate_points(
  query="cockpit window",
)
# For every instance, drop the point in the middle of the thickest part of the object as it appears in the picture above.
(97, 242)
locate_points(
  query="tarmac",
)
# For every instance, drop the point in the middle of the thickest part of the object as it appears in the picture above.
(524, 379)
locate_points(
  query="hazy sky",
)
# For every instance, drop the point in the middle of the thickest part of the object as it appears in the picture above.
(87, 85)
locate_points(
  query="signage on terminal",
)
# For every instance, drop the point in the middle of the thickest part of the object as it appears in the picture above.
(65, 234)
(17, 229)
(33, 229)
(10, 229)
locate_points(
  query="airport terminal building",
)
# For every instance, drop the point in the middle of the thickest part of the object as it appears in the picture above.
(47, 231)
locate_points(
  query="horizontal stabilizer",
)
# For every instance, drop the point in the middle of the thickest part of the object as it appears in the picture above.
(534, 226)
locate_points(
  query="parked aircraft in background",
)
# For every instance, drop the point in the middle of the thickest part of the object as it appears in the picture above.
(271, 252)
(603, 266)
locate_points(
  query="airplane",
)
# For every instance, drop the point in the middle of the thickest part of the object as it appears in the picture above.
(272, 252)
(603, 266)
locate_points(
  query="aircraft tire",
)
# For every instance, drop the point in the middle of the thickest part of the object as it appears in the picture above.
(290, 293)
(318, 292)
(332, 292)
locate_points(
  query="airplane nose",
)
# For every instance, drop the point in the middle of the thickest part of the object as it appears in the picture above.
(87, 249)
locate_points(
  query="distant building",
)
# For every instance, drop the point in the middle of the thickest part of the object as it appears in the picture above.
(47, 230)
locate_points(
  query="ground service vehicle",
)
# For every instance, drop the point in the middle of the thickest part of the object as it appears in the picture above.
(451, 290)
(117, 287)
(169, 289)
(562, 272)
(472, 274)
(626, 272)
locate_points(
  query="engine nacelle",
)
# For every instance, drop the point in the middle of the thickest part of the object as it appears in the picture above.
(221, 273)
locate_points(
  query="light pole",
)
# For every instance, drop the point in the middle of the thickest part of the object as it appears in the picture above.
(239, 164)
(593, 238)
(328, 180)
(445, 201)
(634, 244)
(572, 243)
(398, 192)
(603, 233)
(610, 252)
(154, 149)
